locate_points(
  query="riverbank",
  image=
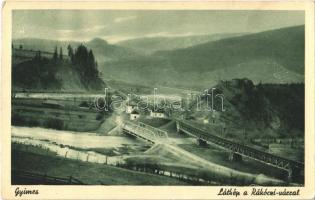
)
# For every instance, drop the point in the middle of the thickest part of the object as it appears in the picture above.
(46, 162)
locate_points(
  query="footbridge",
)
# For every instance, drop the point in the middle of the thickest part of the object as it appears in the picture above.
(144, 131)
(240, 149)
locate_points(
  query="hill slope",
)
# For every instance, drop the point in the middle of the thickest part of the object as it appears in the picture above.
(264, 110)
(285, 46)
(149, 45)
(102, 50)
(36, 71)
(275, 56)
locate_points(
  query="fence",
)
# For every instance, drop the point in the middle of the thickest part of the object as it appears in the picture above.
(26, 178)
(67, 152)
(116, 161)
(194, 180)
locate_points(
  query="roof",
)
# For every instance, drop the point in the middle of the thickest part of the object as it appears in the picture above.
(158, 111)
(132, 103)
(135, 112)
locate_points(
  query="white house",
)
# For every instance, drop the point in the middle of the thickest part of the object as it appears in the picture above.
(134, 115)
(129, 108)
(206, 121)
(157, 114)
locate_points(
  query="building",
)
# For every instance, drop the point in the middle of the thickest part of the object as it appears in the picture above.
(131, 106)
(157, 114)
(129, 109)
(134, 115)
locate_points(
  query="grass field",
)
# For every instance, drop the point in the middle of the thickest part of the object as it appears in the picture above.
(40, 161)
(222, 158)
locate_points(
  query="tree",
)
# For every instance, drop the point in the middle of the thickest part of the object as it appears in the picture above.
(60, 54)
(92, 66)
(91, 59)
(80, 56)
(37, 56)
(84, 62)
(55, 55)
(70, 52)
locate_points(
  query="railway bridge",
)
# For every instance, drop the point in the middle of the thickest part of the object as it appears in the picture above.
(144, 131)
(293, 168)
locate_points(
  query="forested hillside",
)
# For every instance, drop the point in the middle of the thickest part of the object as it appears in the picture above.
(56, 71)
(260, 111)
(103, 51)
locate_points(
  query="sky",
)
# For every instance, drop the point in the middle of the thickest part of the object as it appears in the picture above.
(118, 25)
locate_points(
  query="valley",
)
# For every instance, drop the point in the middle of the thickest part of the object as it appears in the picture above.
(109, 113)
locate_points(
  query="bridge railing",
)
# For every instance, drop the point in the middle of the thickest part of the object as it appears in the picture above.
(158, 132)
(240, 148)
(139, 131)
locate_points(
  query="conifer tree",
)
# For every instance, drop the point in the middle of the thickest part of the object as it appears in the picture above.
(55, 55)
(60, 54)
(70, 53)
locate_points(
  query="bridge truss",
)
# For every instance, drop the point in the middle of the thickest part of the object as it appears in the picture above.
(241, 149)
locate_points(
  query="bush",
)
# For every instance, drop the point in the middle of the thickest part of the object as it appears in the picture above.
(17, 119)
(33, 122)
(99, 116)
(54, 123)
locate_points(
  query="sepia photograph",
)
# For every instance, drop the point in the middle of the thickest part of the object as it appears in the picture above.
(158, 97)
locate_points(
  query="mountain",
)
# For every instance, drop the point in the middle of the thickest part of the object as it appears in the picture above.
(264, 110)
(275, 56)
(149, 45)
(285, 46)
(102, 50)
(255, 115)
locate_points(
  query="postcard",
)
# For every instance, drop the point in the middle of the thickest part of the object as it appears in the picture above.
(157, 100)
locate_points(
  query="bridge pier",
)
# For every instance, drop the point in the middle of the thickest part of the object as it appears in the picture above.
(235, 157)
(236, 151)
(177, 127)
(294, 174)
(201, 142)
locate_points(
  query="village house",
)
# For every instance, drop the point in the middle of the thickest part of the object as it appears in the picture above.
(158, 113)
(134, 115)
(130, 107)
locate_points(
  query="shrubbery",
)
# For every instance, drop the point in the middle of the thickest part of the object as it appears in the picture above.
(54, 123)
(20, 120)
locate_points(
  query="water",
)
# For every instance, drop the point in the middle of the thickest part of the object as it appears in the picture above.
(56, 95)
(66, 152)
(84, 140)
(64, 143)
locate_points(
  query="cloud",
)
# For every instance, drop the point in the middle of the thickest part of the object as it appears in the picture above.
(85, 30)
(168, 34)
(117, 38)
(123, 19)
(65, 31)
(96, 28)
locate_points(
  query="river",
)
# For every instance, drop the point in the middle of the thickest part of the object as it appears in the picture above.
(76, 145)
